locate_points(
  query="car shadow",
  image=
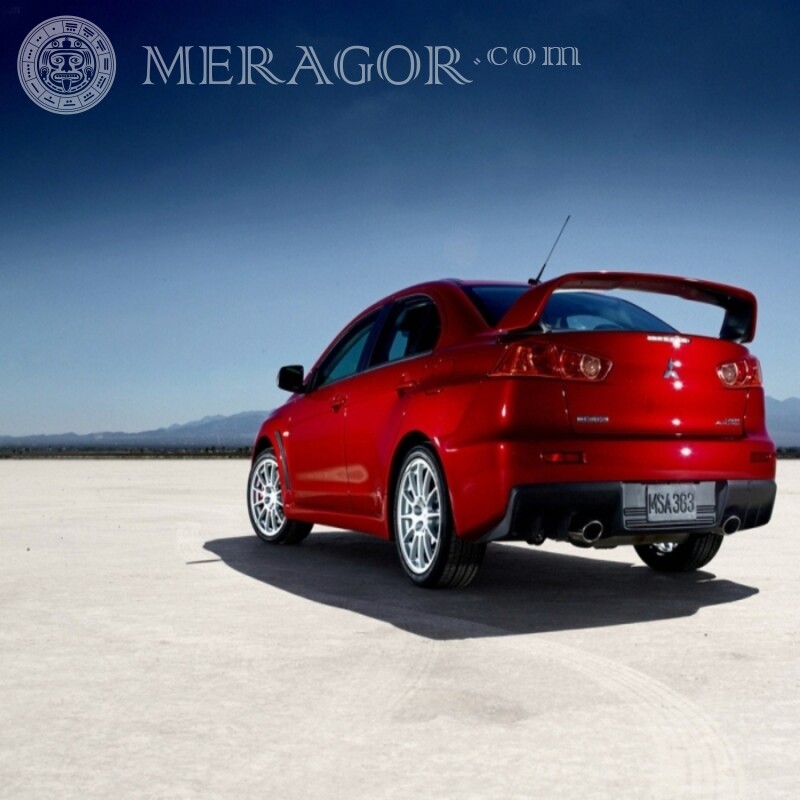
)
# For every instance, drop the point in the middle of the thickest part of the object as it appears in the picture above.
(518, 591)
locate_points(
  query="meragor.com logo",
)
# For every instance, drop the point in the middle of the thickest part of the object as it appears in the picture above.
(66, 65)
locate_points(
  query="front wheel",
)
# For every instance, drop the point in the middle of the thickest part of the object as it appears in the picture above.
(430, 552)
(265, 504)
(686, 556)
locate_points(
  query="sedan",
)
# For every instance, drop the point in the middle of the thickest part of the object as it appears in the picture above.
(457, 413)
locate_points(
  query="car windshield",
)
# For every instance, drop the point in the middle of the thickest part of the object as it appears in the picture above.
(569, 310)
(587, 311)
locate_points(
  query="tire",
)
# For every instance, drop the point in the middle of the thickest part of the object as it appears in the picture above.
(265, 504)
(692, 554)
(430, 552)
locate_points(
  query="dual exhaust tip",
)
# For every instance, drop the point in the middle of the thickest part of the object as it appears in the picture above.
(586, 533)
(731, 524)
(589, 532)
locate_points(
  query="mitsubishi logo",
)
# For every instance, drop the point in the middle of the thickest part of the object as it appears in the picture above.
(671, 373)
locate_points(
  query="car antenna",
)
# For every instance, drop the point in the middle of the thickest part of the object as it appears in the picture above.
(538, 279)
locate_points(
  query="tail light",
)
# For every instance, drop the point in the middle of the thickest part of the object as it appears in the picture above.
(551, 361)
(745, 372)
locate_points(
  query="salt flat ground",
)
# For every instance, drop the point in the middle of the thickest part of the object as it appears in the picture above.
(151, 646)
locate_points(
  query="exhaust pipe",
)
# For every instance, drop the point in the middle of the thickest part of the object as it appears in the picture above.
(731, 524)
(588, 533)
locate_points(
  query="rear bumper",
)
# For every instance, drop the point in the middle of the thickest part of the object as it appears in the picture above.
(552, 511)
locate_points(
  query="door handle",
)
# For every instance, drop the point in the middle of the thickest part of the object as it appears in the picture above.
(407, 383)
(338, 401)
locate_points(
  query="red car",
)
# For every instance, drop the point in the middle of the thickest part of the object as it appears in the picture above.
(457, 413)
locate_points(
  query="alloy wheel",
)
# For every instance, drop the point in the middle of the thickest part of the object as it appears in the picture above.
(419, 515)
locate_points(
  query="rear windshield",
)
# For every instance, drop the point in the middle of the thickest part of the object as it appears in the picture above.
(586, 311)
(570, 311)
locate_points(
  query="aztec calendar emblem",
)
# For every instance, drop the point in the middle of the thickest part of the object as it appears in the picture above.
(66, 65)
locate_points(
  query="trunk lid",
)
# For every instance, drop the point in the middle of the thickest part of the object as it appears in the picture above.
(658, 385)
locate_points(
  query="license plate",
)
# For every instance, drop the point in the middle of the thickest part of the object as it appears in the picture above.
(671, 502)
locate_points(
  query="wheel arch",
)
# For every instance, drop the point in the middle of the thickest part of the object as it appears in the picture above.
(409, 441)
(263, 442)
(273, 441)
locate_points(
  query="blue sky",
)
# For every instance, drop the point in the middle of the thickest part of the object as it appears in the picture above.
(164, 252)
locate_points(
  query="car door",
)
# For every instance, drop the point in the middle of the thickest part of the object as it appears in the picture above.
(377, 397)
(315, 436)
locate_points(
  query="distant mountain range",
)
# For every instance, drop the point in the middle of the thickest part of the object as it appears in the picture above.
(239, 430)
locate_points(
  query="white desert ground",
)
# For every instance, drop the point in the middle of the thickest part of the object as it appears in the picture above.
(152, 647)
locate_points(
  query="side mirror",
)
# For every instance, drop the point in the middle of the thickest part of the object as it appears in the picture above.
(291, 378)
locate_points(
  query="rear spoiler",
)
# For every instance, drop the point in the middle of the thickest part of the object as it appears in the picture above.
(740, 305)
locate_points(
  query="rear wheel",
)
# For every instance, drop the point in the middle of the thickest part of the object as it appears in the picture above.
(430, 552)
(686, 556)
(265, 504)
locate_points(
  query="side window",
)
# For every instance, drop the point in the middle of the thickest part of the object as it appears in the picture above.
(343, 360)
(413, 328)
